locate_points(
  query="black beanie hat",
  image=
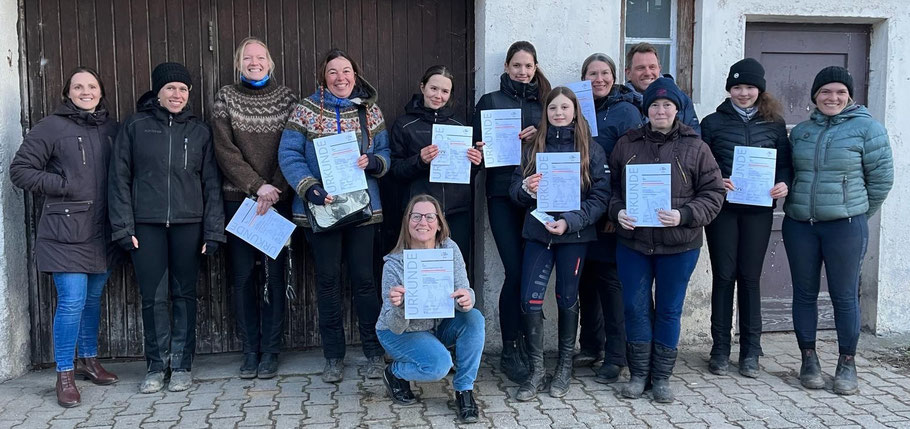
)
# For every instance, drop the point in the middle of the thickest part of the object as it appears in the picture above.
(165, 73)
(662, 88)
(746, 72)
(832, 74)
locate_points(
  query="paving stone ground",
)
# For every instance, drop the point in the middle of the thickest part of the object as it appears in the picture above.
(298, 398)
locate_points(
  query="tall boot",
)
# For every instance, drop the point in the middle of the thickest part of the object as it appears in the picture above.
(663, 359)
(568, 333)
(535, 382)
(638, 356)
(511, 363)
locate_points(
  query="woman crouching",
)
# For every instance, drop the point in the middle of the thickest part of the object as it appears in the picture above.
(418, 346)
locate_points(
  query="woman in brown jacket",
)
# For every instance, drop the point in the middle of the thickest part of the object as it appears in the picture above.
(64, 160)
(667, 255)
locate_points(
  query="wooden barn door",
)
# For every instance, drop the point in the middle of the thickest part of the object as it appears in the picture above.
(393, 41)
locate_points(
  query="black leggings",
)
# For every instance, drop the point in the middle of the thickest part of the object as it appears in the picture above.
(167, 267)
(260, 324)
(602, 319)
(354, 246)
(506, 221)
(737, 241)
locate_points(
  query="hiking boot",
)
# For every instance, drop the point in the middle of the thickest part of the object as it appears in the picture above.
(268, 366)
(333, 370)
(375, 367)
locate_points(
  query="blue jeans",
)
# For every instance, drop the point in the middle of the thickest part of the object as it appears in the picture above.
(654, 317)
(77, 316)
(422, 356)
(841, 245)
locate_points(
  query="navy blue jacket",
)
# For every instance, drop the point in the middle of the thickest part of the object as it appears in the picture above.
(686, 112)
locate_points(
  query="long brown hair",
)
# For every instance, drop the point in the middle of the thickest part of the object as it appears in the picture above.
(769, 108)
(404, 237)
(543, 84)
(582, 137)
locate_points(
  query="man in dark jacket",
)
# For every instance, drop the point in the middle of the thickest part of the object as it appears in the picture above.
(642, 68)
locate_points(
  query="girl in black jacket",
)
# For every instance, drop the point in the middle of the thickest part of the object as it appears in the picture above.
(521, 86)
(562, 241)
(64, 160)
(166, 209)
(738, 237)
(413, 151)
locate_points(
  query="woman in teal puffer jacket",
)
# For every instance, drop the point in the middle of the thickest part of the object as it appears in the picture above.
(842, 173)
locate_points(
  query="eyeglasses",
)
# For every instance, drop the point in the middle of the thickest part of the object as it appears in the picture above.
(416, 217)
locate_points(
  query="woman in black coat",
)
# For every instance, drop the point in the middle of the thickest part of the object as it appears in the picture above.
(738, 237)
(64, 159)
(166, 210)
(413, 151)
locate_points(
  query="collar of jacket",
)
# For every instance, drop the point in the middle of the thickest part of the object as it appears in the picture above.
(514, 88)
(617, 94)
(70, 111)
(851, 111)
(561, 138)
(678, 131)
(417, 108)
(149, 103)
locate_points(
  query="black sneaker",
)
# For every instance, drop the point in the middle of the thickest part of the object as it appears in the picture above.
(467, 408)
(249, 365)
(268, 366)
(399, 390)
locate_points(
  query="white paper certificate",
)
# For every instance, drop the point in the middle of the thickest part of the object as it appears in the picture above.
(268, 232)
(429, 280)
(337, 156)
(451, 165)
(543, 217)
(499, 129)
(647, 191)
(753, 175)
(560, 185)
(585, 96)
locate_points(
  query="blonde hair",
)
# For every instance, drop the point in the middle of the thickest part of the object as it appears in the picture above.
(582, 137)
(404, 237)
(238, 56)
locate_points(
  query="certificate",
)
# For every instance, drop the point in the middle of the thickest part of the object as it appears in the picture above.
(753, 175)
(560, 185)
(268, 232)
(337, 156)
(543, 217)
(429, 280)
(451, 165)
(585, 96)
(647, 191)
(499, 129)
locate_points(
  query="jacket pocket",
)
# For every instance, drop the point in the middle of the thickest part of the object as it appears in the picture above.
(66, 222)
(844, 187)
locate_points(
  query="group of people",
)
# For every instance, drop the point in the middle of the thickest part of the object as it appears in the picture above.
(153, 186)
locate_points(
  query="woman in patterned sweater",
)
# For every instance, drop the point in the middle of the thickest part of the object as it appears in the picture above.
(248, 118)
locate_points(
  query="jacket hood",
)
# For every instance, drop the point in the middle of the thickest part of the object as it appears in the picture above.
(148, 102)
(70, 111)
(618, 94)
(416, 107)
(526, 91)
(849, 112)
(363, 93)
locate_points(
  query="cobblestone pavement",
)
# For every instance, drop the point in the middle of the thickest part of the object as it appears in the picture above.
(298, 398)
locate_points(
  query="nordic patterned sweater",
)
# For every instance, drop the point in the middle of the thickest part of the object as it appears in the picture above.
(247, 124)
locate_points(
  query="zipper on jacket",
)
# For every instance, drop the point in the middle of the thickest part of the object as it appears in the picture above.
(185, 140)
(170, 122)
(678, 164)
(813, 188)
(844, 186)
(81, 149)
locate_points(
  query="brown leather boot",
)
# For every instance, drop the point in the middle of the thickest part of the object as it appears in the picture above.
(91, 369)
(67, 393)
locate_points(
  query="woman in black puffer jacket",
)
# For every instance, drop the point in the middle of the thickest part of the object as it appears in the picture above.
(521, 86)
(413, 151)
(738, 237)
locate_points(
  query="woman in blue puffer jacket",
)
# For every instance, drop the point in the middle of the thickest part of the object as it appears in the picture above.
(843, 171)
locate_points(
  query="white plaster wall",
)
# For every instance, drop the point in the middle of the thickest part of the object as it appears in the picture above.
(720, 32)
(14, 323)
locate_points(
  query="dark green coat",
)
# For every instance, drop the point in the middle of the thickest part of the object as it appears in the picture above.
(842, 166)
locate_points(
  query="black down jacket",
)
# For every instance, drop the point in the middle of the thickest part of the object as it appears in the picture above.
(64, 158)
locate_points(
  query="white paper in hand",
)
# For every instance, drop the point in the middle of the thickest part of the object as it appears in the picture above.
(268, 232)
(429, 280)
(337, 157)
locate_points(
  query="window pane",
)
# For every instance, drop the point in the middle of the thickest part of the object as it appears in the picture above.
(663, 54)
(648, 18)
